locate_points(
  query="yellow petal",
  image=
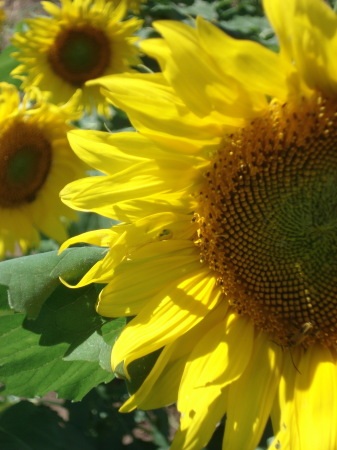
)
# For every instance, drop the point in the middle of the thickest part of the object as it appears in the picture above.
(215, 363)
(104, 194)
(171, 313)
(161, 385)
(51, 8)
(251, 397)
(114, 152)
(307, 30)
(201, 428)
(103, 151)
(100, 272)
(197, 80)
(251, 63)
(102, 238)
(144, 274)
(314, 403)
(286, 435)
(9, 100)
(162, 112)
(16, 227)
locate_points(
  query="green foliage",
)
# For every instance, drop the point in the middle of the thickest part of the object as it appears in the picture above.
(62, 345)
(31, 279)
(243, 19)
(57, 342)
(7, 64)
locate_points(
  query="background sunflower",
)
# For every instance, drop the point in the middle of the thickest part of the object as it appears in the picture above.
(74, 43)
(36, 161)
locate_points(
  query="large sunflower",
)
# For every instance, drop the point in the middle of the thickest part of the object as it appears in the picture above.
(228, 254)
(80, 41)
(36, 161)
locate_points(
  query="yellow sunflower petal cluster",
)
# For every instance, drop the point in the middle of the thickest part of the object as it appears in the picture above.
(227, 253)
(79, 41)
(36, 161)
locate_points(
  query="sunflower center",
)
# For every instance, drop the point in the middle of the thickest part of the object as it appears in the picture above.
(268, 222)
(80, 54)
(25, 160)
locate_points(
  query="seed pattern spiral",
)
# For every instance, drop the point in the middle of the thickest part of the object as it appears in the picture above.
(268, 221)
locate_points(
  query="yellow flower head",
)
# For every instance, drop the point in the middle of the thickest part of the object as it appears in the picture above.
(227, 257)
(36, 161)
(80, 41)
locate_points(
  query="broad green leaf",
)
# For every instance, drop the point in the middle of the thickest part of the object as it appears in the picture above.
(4, 300)
(31, 279)
(96, 348)
(202, 8)
(35, 355)
(248, 25)
(7, 64)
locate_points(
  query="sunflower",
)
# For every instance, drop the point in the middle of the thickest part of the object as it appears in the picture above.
(227, 255)
(36, 161)
(81, 41)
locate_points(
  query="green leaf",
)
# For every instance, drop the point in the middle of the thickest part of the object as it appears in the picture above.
(4, 300)
(35, 355)
(31, 279)
(95, 348)
(202, 8)
(7, 64)
(251, 27)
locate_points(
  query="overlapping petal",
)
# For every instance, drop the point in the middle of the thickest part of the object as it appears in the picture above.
(307, 30)
(156, 265)
(215, 363)
(257, 388)
(255, 66)
(162, 113)
(168, 315)
(162, 384)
